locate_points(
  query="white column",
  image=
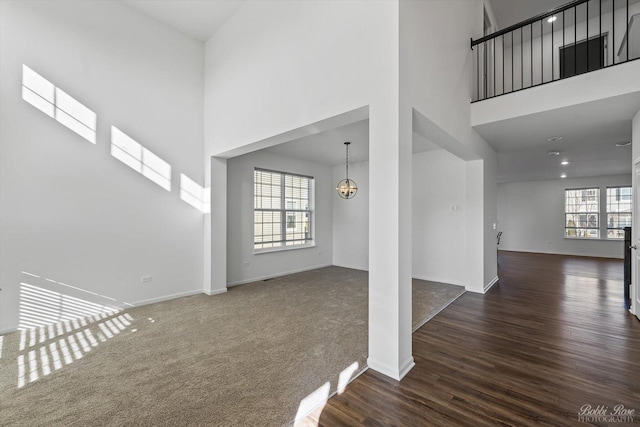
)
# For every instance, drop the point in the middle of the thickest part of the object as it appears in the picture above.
(473, 247)
(390, 241)
(218, 276)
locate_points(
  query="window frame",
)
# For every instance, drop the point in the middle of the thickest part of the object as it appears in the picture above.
(609, 212)
(286, 213)
(597, 213)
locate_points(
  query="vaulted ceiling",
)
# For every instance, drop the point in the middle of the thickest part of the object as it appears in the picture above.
(521, 144)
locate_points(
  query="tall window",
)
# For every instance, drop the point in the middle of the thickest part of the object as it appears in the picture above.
(618, 211)
(581, 212)
(283, 209)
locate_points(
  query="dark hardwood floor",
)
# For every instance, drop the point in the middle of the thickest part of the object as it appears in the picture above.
(550, 337)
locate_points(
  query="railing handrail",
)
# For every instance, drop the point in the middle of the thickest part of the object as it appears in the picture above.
(527, 22)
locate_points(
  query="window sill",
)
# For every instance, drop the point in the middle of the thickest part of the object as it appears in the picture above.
(283, 249)
(601, 239)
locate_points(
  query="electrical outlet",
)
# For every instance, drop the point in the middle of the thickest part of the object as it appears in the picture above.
(246, 263)
(145, 279)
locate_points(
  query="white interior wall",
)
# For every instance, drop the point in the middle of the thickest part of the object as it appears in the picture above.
(439, 223)
(351, 220)
(278, 66)
(531, 217)
(442, 98)
(243, 265)
(438, 218)
(69, 211)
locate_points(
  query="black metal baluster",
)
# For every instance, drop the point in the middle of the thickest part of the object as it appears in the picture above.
(626, 26)
(512, 46)
(484, 66)
(487, 84)
(478, 71)
(541, 53)
(531, 50)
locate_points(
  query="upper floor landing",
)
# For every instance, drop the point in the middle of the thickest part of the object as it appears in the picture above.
(579, 53)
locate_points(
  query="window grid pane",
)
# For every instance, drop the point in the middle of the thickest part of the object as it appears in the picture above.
(619, 203)
(282, 209)
(582, 207)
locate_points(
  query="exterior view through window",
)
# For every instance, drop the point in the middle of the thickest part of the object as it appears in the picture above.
(283, 210)
(618, 211)
(583, 210)
(581, 213)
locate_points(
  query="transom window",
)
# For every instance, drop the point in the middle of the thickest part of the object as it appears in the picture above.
(582, 213)
(283, 209)
(618, 211)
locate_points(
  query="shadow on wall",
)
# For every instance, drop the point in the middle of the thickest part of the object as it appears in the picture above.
(51, 100)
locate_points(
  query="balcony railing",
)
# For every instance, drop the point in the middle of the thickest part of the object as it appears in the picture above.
(579, 37)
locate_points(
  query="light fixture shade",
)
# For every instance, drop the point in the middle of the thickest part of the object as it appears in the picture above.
(347, 188)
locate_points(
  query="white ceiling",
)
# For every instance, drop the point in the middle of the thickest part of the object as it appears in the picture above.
(328, 147)
(510, 12)
(590, 132)
(199, 19)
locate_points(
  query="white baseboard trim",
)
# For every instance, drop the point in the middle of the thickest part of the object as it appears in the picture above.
(395, 373)
(162, 298)
(126, 306)
(439, 280)
(273, 276)
(408, 365)
(532, 251)
(216, 292)
(490, 284)
(351, 267)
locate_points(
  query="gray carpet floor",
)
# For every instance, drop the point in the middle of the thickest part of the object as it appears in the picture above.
(253, 356)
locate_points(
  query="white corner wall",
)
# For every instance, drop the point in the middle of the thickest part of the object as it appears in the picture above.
(441, 93)
(243, 265)
(281, 65)
(439, 223)
(351, 219)
(531, 217)
(438, 219)
(69, 211)
(278, 66)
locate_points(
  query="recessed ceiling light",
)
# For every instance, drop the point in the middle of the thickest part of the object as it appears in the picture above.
(623, 144)
(554, 153)
(551, 19)
(554, 138)
(564, 175)
(564, 162)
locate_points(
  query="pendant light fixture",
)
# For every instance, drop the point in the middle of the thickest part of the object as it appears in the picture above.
(347, 188)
